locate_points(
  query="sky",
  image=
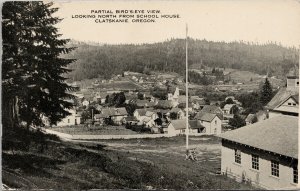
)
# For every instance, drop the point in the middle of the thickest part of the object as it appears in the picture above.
(258, 21)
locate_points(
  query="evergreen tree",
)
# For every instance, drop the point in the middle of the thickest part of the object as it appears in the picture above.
(237, 121)
(32, 67)
(266, 92)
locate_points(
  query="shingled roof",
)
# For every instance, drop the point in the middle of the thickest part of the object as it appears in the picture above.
(282, 95)
(205, 116)
(278, 135)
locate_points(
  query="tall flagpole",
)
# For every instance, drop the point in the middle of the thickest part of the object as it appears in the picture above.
(186, 90)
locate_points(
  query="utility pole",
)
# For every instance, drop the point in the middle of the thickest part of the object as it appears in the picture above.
(186, 90)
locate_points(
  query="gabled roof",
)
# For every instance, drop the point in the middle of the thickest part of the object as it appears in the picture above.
(141, 112)
(205, 116)
(179, 124)
(278, 135)
(282, 95)
(211, 109)
(165, 103)
(106, 112)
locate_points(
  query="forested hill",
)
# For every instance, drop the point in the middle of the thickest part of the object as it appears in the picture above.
(96, 60)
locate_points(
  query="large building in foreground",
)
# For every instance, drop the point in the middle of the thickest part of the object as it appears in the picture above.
(264, 153)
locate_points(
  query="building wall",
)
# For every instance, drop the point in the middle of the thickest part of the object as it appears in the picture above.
(72, 119)
(172, 131)
(291, 83)
(212, 127)
(261, 177)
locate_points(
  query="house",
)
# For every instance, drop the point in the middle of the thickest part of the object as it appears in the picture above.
(115, 114)
(164, 104)
(146, 117)
(228, 108)
(73, 119)
(251, 118)
(144, 103)
(131, 120)
(179, 113)
(210, 123)
(286, 100)
(118, 114)
(176, 127)
(268, 158)
(213, 109)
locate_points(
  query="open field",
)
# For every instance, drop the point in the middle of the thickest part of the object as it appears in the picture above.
(114, 164)
(95, 130)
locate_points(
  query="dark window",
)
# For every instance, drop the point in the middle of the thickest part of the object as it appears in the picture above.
(289, 103)
(295, 174)
(255, 162)
(275, 168)
(68, 120)
(237, 156)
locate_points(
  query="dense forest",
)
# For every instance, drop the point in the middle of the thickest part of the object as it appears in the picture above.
(104, 60)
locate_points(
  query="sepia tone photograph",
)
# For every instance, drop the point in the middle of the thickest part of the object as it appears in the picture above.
(150, 95)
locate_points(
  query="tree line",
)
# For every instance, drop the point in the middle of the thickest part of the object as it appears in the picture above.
(169, 56)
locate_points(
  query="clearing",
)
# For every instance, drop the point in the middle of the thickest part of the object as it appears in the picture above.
(117, 164)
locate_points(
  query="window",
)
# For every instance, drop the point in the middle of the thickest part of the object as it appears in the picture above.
(295, 174)
(255, 162)
(237, 156)
(275, 168)
(289, 103)
(68, 120)
(216, 122)
(294, 104)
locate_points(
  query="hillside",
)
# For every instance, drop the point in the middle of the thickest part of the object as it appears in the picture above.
(105, 60)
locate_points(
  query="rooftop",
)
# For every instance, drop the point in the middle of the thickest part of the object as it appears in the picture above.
(282, 95)
(278, 135)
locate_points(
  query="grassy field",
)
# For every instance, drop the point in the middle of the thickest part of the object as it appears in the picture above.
(95, 130)
(115, 164)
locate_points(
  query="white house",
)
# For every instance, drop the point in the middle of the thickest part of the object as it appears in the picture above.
(210, 123)
(177, 127)
(264, 153)
(73, 119)
(146, 117)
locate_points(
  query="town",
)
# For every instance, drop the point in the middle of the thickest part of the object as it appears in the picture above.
(138, 106)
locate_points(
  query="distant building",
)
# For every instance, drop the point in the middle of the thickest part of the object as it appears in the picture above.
(250, 119)
(213, 109)
(286, 101)
(114, 114)
(177, 127)
(73, 119)
(210, 123)
(264, 153)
